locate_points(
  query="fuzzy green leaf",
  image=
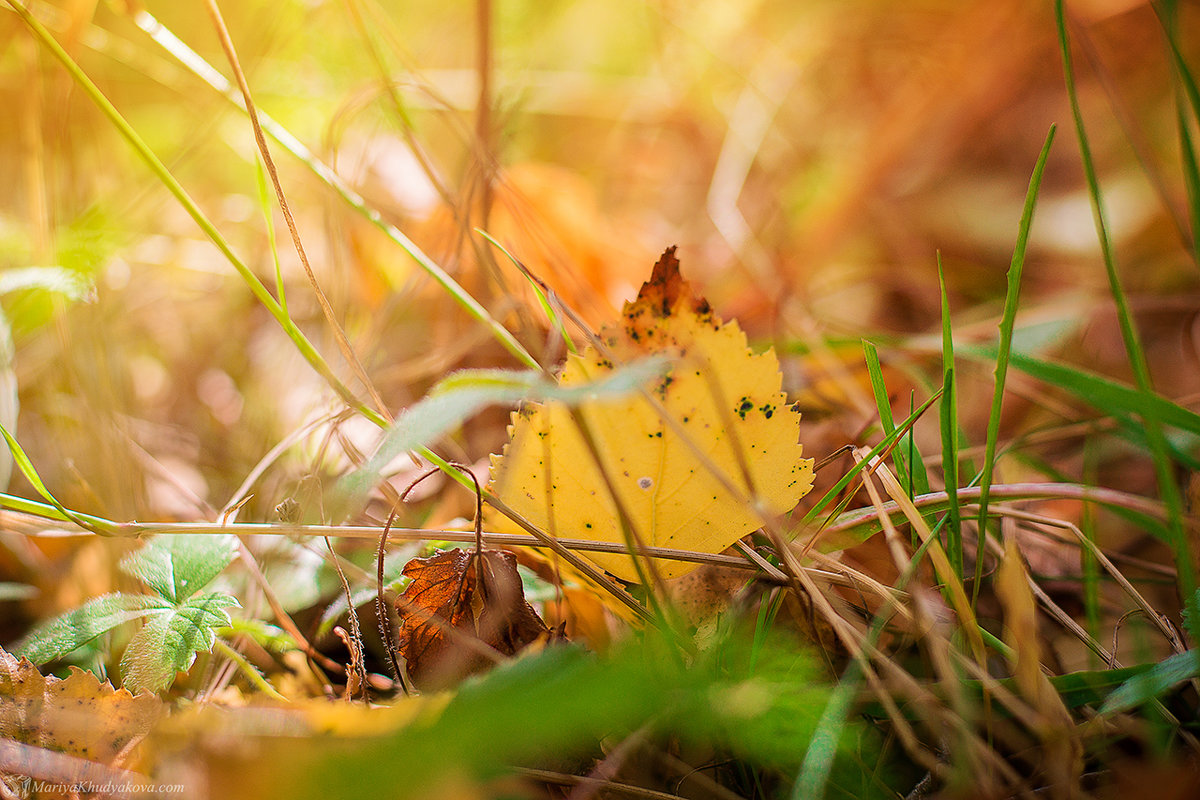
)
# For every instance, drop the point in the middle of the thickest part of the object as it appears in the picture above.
(63, 634)
(168, 643)
(180, 565)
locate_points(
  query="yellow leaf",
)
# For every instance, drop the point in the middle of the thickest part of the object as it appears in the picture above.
(1020, 622)
(1064, 750)
(729, 417)
(251, 752)
(76, 715)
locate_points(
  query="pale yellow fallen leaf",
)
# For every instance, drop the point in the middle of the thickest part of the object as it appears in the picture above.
(683, 485)
(77, 715)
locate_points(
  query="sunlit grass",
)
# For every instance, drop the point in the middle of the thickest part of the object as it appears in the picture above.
(984, 588)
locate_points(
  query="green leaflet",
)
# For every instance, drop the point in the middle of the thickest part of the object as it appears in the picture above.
(180, 565)
(169, 641)
(179, 623)
(75, 628)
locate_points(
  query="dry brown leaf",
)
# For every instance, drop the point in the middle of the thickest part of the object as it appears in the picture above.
(461, 611)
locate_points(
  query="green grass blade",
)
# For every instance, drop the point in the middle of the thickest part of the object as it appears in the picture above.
(909, 466)
(54, 512)
(25, 465)
(1157, 680)
(192, 61)
(822, 750)
(887, 441)
(1191, 180)
(949, 425)
(548, 308)
(883, 403)
(1168, 489)
(1100, 392)
(172, 185)
(1007, 323)
(264, 203)
(1191, 94)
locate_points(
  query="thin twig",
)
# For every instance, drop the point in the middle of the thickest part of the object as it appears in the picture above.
(356, 662)
(383, 616)
(27, 525)
(381, 607)
(1016, 491)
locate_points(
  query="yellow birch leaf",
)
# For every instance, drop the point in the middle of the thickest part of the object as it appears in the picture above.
(722, 398)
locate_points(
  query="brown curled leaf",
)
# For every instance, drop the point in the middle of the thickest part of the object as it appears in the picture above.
(462, 612)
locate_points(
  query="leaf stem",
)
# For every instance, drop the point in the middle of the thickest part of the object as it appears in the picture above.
(249, 670)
